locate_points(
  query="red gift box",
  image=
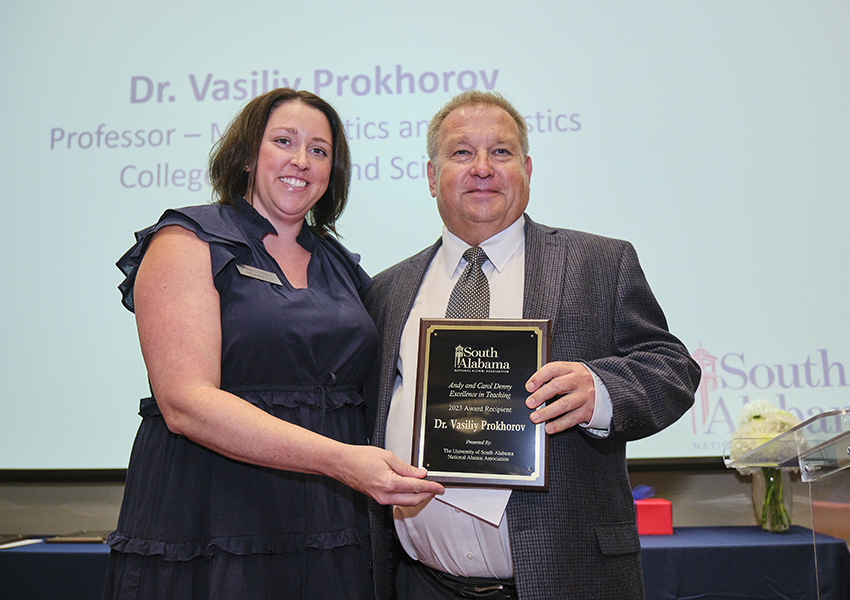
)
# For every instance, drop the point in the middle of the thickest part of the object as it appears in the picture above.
(654, 516)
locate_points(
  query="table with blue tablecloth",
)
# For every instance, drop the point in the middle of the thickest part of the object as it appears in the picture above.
(56, 571)
(743, 563)
(695, 563)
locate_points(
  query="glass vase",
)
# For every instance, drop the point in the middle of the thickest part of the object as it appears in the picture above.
(772, 498)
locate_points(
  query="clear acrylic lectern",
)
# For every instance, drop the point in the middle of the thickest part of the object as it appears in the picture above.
(820, 448)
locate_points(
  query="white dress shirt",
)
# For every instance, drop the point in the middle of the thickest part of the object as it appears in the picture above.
(463, 532)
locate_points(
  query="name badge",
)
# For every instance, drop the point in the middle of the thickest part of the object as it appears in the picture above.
(249, 271)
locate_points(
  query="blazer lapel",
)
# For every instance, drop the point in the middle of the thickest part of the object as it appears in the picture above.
(545, 269)
(400, 302)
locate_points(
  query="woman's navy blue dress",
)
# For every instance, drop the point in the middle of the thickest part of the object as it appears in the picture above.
(195, 524)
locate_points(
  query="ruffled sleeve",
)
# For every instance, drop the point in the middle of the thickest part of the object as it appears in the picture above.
(212, 223)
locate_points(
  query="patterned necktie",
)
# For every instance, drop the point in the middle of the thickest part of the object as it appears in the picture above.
(470, 297)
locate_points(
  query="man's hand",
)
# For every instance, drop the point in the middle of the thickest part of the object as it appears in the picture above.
(569, 388)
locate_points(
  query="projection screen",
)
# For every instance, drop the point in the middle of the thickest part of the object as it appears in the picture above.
(715, 136)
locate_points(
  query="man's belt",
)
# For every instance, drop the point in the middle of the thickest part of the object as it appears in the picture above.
(478, 588)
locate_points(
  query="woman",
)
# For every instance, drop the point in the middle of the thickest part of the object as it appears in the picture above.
(256, 344)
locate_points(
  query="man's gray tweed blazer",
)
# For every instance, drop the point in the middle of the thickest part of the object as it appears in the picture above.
(578, 540)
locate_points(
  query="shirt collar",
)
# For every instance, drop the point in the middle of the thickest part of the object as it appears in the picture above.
(259, 227)
(499, 248)
(253, 222)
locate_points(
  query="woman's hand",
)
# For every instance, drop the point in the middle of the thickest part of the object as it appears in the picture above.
(383, 476)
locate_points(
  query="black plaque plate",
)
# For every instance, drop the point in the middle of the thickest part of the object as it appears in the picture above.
(471, 424)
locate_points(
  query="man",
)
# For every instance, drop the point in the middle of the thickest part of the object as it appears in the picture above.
(616, 374)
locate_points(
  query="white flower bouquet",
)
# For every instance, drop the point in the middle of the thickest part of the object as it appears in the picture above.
(758, 423)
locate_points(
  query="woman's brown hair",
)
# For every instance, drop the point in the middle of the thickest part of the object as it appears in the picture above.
(233, 159)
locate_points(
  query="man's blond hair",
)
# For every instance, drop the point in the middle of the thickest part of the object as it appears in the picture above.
(472, 98)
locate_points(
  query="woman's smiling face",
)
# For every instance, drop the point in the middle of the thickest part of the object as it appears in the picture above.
(294, 163)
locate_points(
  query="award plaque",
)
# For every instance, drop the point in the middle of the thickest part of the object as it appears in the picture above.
(471, 424)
